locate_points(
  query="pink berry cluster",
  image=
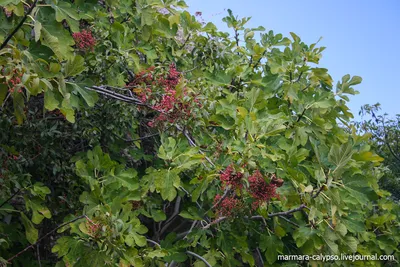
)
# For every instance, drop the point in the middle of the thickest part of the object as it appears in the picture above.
(230, 177)
(14, 81)
(259, 189)
(84, 40)
(229, 206)
(170, 105)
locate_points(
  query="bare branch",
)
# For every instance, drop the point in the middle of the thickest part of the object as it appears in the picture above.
(16, 193)
(282, 213)
(289, 221)
(18, 26)
(174, 214)
(46, 235)
(217, 221)
(199, 257)
(153, 242)
(226, 192)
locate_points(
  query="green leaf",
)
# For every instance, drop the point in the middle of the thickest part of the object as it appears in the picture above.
(37, 29)
(271, 245)
(340, 155)
(127, 179)
(219, 78)
(355, 80)
(86, 94)
(352, 243)
(74, 66)
(166, 182)
(158, 215)
(50, 102)
(31, 232)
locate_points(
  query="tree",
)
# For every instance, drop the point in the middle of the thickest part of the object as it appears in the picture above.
(136, 135)
(385, 141)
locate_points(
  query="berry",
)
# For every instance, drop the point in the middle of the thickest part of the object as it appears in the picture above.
(230, 177)
(84, 40)
(260, 190)
(228, 206)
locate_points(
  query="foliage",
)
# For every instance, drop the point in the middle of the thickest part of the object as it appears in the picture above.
(135, 135)
(385, 141)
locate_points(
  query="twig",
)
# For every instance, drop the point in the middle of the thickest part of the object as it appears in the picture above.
(187, 39)
(5, 202)
(217, 221)
(319, 191)
(259, 60)
(18, 26)
(298, 79)
(259, 260)
(191, 229)
(227, 190)
(5, 100)
(144, 137)
(153, 242)
(289, 221)
(38, 255)
(199, 257)
(301, 115)
(193, 143)
(259, 217)
(190, 70)
(305, 88)
(282, 213)
(46, 235)
(174, 214)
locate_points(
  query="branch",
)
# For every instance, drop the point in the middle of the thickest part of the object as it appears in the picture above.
(121, 97)
(217, 221)
(301, 115)
(18, 26)
(227, 190)
(46, 235)
(289, 221)
(259, 217)
(199, 257)
(16, 193)
(174, 214)
(153, 242)
(258, 258)
(259, 61)
(298, 79)
(193, 143)
(187, 39)
(319, 191)
(282, 213)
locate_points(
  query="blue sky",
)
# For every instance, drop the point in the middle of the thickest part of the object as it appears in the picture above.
(362, 38)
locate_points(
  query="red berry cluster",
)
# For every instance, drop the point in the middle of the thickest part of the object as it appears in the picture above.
(14, 81)
(260, 190)
(228, 206)
(230, 177)
(84, 40)
(171, 106)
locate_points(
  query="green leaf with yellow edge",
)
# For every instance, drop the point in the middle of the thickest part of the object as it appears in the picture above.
(367, 156)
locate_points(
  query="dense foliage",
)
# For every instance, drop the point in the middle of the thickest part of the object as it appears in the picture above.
(134, 134)
(385, 141)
